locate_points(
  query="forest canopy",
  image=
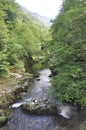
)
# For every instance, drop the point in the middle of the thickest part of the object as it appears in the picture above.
(21, 37)
(24, 40)
(67, 53)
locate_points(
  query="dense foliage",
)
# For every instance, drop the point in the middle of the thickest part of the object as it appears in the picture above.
(67, 53)
(21, 37)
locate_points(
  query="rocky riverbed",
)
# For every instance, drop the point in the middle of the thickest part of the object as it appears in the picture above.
(38, 110)
(14, 88)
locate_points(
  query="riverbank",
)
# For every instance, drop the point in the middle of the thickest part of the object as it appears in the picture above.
(39, 111)
(12, 89)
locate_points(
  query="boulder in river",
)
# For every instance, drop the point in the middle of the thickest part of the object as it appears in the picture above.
(40, 107)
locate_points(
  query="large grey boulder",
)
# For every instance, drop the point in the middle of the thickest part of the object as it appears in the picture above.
(39, 107)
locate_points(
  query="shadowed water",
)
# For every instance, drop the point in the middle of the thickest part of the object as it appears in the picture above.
(67, 119)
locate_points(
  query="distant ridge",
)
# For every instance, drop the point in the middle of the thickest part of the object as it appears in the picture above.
(44, 19)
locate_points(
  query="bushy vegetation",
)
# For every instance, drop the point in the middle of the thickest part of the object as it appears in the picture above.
(67, 53)
(21, 37)
(23, 41)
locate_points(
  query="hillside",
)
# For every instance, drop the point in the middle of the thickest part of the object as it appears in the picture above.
(42, 19)
(21, 37)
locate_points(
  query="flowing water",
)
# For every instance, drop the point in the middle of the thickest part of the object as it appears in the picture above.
(67, 119)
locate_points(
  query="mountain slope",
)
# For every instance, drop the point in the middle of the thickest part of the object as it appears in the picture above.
(43, 19)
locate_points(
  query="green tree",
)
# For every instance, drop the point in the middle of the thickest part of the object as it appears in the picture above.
(3, 45)
(21, 36)
(68, 52)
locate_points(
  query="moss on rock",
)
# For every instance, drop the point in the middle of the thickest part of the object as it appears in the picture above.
(3, 120)
(3, 117)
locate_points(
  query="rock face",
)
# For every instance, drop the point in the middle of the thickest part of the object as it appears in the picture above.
(39, 107)
(10, 96)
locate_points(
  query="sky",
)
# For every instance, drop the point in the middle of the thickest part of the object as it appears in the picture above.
(48, 8)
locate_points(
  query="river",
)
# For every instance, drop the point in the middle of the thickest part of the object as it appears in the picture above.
(67, 119)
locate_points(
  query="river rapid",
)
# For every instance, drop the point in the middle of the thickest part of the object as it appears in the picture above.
(66, 119)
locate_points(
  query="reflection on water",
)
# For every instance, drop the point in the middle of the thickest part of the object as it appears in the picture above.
(22, 121)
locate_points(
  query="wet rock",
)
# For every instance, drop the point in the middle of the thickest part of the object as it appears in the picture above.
(38, 79)
(19, 90)
(40, 107)
(50, 76)
(36, 75)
